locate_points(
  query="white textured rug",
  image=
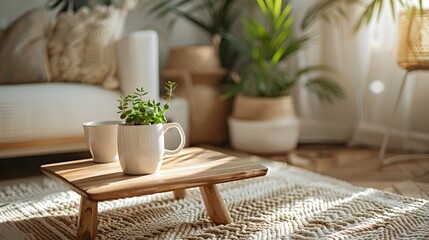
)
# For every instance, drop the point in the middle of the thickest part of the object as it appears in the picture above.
(288, 203)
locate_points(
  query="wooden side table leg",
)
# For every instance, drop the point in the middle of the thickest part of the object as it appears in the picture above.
(215, 205)
(179, 194)
(87, 220)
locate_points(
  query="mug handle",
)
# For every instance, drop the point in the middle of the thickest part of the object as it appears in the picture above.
(166, 127)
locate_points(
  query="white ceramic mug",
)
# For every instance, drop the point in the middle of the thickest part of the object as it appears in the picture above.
(141, 148)
(101, 137)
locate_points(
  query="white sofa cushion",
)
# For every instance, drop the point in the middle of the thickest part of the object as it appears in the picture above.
(49, 110)
(23, 57)
(81, 48)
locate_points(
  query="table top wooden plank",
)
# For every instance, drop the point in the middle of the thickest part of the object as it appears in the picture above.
(192, 167)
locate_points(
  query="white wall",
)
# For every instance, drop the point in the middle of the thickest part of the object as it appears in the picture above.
(138, 18)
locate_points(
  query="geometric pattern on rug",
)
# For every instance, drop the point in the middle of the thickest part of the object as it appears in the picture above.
(288, 203)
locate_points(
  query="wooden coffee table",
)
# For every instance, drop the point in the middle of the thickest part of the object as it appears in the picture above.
(192, 167)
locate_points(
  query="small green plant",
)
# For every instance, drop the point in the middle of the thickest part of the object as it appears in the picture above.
(137, 111)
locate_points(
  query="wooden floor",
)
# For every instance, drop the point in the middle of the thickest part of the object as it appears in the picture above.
(361, 167)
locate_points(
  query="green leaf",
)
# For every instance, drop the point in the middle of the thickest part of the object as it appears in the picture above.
(143, 112)
(270, 6)
(315, 68)
(325, 9)
(295, 45)
(161, 4)
(169, 6)
(380, 8)
(392, 8)
(277, 8)
(316, 11)
(278, 55)
(421, 7)
(342, 13)
(280, 39)
(325, 89)
(368, 13)
(279, 21)
(255, 29)
(231, 90)
(195, 21)
(238, 45)
(262, 6)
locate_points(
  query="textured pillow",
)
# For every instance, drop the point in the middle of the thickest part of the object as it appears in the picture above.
(22, 49)
(81, 47)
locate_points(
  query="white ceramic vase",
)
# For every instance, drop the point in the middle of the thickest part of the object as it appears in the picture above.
(141, 148)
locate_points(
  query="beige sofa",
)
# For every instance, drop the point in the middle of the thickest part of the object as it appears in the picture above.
(46, 118)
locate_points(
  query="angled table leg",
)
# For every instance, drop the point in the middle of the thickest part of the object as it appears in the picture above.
(87, 220)
(215, 205)
(179, 194)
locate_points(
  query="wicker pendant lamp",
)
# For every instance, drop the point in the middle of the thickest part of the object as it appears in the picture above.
(413, 54)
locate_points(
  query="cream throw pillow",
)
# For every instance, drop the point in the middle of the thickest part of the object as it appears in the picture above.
(22, 49)
(81, 48)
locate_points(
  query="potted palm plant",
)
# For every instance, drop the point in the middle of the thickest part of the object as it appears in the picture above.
(263, 118)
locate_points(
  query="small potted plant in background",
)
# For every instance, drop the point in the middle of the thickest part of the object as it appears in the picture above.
(141, 137)
(263, 118)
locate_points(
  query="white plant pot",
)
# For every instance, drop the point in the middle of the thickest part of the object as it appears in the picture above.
(264, 136)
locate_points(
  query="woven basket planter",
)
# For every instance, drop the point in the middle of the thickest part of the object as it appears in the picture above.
(413, 52)
(264, 125)
(198, 71)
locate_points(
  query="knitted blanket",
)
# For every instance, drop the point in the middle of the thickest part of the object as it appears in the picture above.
(288, 203)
